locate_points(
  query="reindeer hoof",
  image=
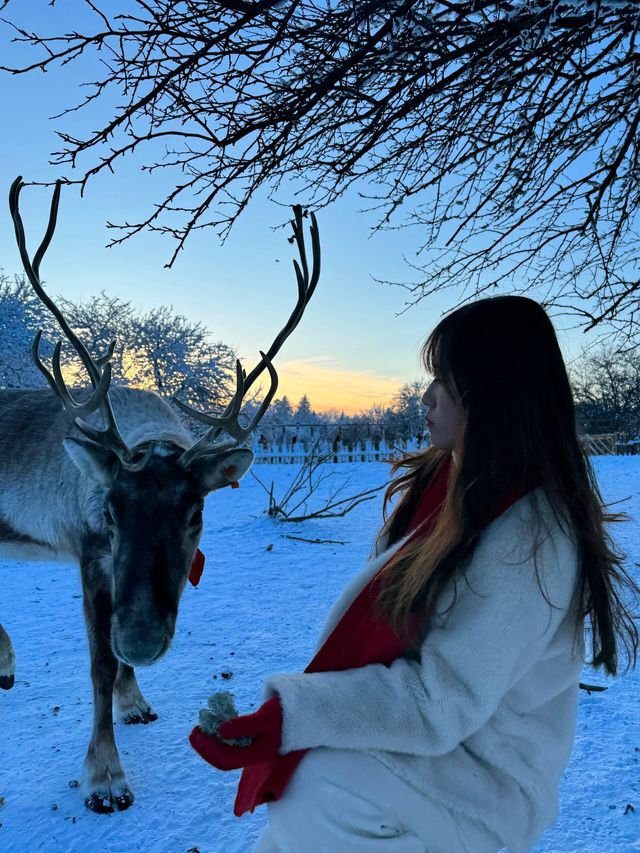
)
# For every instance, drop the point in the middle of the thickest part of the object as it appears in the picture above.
(133, 718)
(101, 804)
(7, 681)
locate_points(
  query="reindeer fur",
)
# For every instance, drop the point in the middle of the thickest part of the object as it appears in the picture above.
(53, 506)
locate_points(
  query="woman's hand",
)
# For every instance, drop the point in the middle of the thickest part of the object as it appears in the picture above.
(264, 727)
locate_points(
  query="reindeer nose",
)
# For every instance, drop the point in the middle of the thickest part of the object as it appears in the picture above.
(141, 642)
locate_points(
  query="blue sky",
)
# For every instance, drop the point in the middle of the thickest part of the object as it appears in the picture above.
(354, 346)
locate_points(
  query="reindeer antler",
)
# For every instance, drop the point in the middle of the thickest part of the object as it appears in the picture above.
(228, 421)
(99, 369)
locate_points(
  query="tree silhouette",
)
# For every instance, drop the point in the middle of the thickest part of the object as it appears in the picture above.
(507, 132)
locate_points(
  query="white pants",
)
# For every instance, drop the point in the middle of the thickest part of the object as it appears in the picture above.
(344, 801)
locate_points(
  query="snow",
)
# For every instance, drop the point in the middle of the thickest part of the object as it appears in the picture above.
(257, 610)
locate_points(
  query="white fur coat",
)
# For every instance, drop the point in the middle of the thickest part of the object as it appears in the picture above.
(485, 720)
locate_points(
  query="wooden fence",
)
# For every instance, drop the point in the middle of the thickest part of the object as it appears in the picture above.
(611, 444)
(600, 445)
(297, 451)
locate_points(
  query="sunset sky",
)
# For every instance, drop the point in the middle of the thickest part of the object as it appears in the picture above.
(354, 347)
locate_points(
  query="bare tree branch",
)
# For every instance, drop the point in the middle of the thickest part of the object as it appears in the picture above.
(305, 486)
(506, 132)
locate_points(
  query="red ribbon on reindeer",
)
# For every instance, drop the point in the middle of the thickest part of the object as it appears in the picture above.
(197, 567)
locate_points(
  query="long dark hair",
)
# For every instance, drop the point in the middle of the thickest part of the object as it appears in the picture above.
(499, 357)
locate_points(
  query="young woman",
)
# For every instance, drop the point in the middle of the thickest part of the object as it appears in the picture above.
(439, 711)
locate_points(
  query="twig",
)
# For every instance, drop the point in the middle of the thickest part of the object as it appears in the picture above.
(592, 688)
(315, 541)
(323, 513)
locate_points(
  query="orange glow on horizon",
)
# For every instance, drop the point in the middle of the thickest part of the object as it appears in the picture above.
(348, 391)
(328, 388)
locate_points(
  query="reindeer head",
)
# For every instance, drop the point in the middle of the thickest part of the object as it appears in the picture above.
(154, 492)
(152, 512)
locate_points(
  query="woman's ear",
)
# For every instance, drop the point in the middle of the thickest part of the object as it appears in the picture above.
(215, 469)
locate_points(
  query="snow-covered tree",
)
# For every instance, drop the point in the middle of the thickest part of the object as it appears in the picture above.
(160, 350)
(276, 424)
(175, 357)
(281, 411)
(606, 386)
(409, 410)
(303, 414)
(98, 321)
(21, 316)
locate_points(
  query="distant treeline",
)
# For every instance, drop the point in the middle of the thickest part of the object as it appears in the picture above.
(176, 357)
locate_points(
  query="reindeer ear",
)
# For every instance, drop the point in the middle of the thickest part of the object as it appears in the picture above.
(222, 468)
(91, 459)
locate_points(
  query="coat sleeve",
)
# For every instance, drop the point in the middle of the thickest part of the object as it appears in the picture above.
(498, 626)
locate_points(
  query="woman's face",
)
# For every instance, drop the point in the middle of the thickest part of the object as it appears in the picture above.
(444, 415)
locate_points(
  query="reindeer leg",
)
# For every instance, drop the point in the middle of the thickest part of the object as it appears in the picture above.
(132, 705)
(7, 661)
(106, 783)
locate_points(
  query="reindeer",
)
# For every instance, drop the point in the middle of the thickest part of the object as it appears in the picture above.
(123, 501)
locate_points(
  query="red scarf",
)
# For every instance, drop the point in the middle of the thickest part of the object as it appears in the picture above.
(359, 638)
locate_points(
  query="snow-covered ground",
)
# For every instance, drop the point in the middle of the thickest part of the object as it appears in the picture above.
(258, 609)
